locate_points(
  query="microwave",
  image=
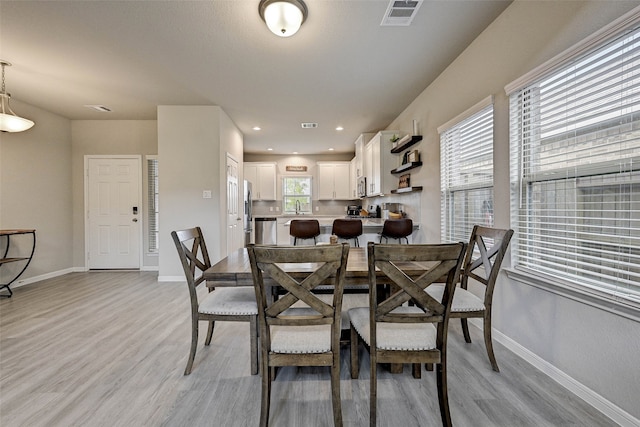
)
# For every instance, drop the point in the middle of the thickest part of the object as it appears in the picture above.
(362, 187)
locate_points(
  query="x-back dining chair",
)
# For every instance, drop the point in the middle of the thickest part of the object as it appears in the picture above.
(396, 333)
(486, 250)
(292, 336)
(222, 304)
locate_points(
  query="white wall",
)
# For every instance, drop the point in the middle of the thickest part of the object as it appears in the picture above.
(192, 146)
(599, 349)
(104, 137)
(35, 189)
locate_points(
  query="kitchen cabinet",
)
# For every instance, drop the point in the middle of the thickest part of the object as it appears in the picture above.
(378, 162)
(359, 157)
(353, 179)
(263, 179)
(333, 179)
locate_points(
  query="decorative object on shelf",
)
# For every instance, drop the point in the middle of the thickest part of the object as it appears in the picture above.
(394, 138)
(283, 17)
(415, 127)
(10, 121)
(413, 156)
(401, 141)
(405, 158)
(405, 181)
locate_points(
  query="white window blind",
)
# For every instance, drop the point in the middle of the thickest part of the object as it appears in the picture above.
(152, 208)
(575, 170)
(466, 173)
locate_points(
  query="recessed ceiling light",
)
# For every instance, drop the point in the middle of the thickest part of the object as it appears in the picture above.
(339, 128)
(295, 152)
(269, 149)
(330, 149)
(257, 128)
(100, 108)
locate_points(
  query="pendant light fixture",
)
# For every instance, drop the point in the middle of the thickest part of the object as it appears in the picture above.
(283, 17)
(9, 121)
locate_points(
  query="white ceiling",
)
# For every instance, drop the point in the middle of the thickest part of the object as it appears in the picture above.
(341, 68)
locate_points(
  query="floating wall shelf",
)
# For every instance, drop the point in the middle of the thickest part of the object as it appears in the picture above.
(406, 190)
(414, 140)
(406, 167)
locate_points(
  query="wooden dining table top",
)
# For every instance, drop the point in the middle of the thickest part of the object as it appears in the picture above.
(235, 269)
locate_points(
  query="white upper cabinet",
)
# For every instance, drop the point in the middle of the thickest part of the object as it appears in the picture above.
(359, 158)
(263, 179)
(378, 163)
(333, 181)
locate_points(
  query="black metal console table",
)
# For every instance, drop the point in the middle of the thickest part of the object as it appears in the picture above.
(5, 259)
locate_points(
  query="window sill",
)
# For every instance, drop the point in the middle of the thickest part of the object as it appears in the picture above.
(612, 303)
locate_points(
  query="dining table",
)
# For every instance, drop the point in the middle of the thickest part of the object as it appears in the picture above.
(235, 270)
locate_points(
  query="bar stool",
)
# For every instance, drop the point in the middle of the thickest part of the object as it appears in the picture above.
(304, 229)
(347, 229)
(397, 229)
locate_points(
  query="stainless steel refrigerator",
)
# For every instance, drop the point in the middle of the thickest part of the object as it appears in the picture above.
(248, 216)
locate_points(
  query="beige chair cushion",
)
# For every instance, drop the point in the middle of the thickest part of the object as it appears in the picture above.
(301, 339)
(230, 301)
(463, 300)
(395, 336)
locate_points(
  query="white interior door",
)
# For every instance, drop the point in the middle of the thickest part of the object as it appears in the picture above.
(114, 213)
(234, 220)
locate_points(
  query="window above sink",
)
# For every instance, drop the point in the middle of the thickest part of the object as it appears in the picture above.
(296, 194)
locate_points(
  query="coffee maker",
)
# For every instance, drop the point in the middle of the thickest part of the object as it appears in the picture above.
(353, 210)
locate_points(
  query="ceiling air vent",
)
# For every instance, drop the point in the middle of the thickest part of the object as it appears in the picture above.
(309, 125)
(400, 12)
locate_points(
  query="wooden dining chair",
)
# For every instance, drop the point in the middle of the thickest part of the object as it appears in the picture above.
(396, 333)
(292, 336)
(223, 304)
(485, 252)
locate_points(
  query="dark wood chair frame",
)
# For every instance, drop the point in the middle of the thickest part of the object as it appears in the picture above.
(490, 260)
(332, 262)
(446, 260)
(195, 260)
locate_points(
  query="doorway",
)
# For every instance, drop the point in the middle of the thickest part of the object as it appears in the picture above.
(113, 212)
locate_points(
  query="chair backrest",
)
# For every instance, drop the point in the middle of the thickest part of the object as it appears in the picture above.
(347, 228)
(397, 228)
(194, 258)
(304, 228)
(298, 270)
(490, 246)
(412, 268)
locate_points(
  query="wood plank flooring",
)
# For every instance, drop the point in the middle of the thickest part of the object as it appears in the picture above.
(109, 349)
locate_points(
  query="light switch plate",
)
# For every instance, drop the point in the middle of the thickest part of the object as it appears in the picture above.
(206, 194)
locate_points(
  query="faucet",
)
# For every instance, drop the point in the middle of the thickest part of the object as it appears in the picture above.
(298, 207)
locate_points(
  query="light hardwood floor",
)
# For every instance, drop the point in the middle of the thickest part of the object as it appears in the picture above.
(109, 349)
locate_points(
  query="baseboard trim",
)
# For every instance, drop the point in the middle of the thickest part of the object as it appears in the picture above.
(171, 279)
(45, 276)
(617, 414)
(149, 268)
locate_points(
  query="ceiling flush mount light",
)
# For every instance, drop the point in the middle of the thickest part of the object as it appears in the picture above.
(283, 17)
(9, 121)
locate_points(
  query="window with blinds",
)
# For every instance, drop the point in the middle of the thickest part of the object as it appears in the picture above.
(152, 208)
(575, 170)
(466, 172)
